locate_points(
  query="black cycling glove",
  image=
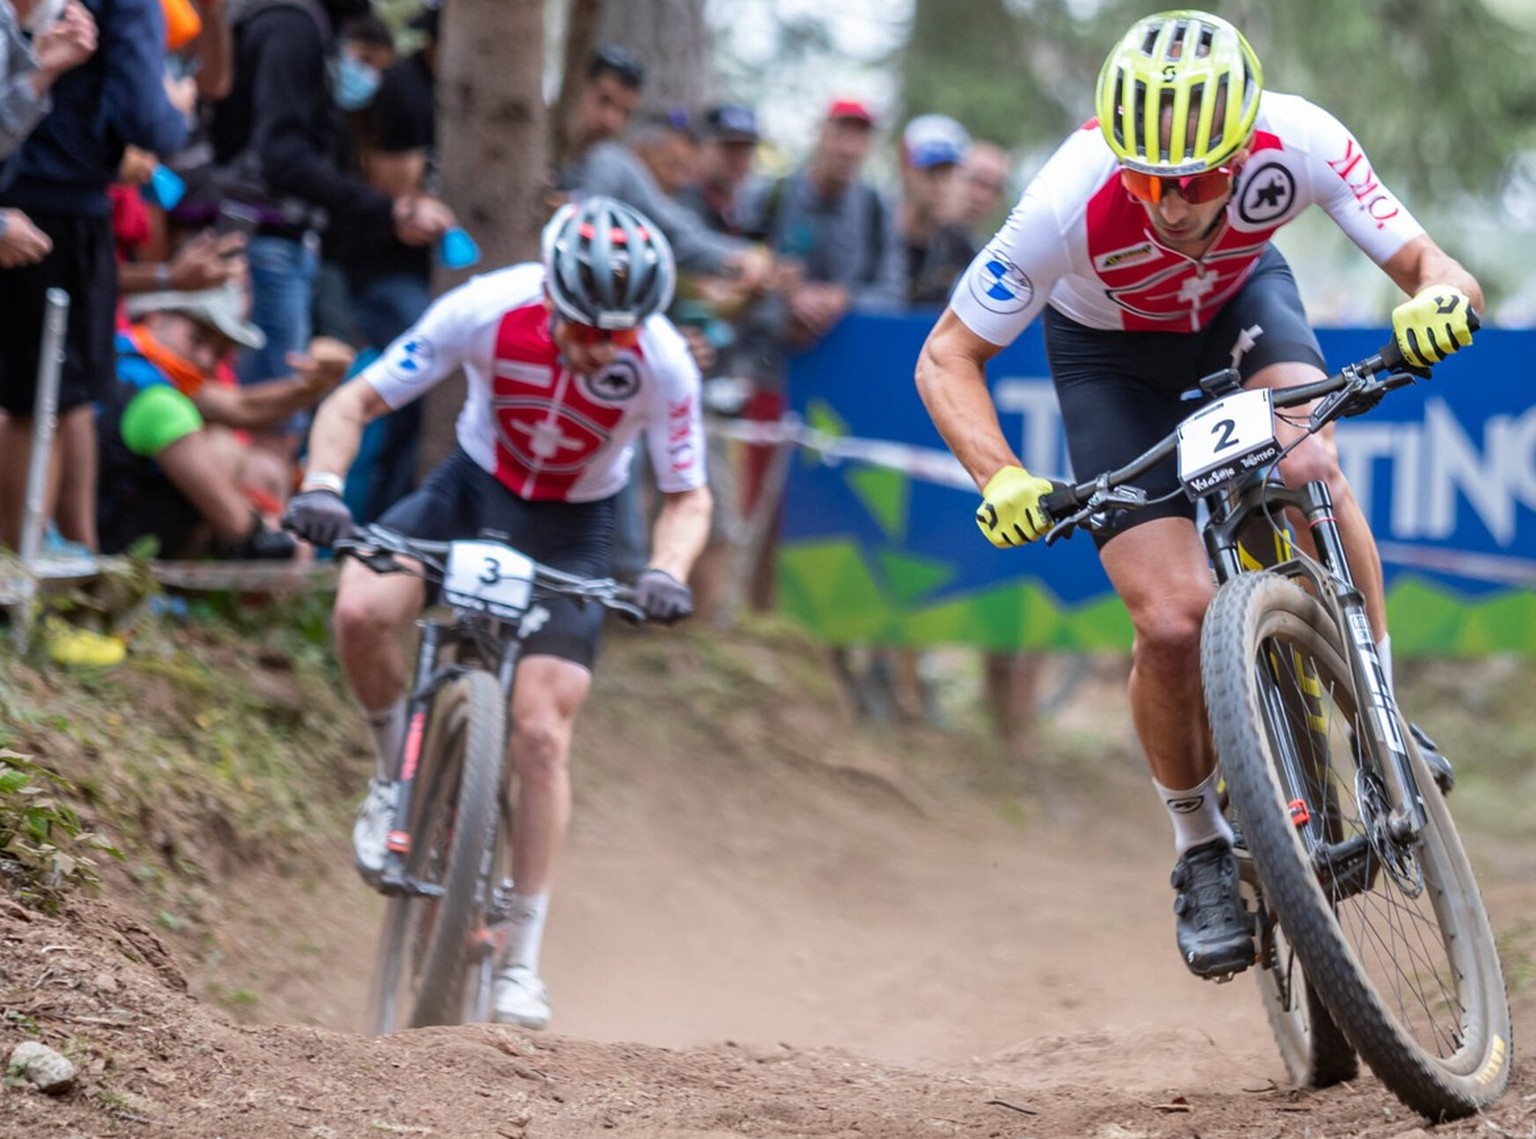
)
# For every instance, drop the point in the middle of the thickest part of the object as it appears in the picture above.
(662, 596)
(318, 516)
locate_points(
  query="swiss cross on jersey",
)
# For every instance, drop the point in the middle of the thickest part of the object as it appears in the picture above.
(1156, 286)
(552, 425)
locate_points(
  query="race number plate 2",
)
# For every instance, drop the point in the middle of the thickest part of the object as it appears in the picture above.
(1226, 440)
(488, 576)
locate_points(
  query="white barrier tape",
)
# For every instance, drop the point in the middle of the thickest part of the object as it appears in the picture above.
(926, 463)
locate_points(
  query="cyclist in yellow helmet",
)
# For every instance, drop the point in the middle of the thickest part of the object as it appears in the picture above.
(1144, 246)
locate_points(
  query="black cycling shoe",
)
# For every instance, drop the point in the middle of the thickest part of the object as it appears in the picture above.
(1439, 766)
(1214, 928)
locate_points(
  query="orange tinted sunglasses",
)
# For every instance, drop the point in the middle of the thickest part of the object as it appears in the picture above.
(1206, 186)
(589, 335)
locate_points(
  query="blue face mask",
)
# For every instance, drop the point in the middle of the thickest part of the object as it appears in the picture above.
(356, 83)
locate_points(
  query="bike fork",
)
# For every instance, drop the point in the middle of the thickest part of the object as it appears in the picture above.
(1383, 746)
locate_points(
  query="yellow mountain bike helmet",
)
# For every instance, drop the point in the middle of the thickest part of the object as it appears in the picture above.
(1179, 94)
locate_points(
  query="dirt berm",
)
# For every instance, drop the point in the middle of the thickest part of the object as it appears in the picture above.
(770, 921)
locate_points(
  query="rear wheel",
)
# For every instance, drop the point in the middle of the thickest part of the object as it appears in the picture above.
(1391, 933)
(425, 948)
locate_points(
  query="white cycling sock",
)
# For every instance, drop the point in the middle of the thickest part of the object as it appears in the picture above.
(387, 726)
(525, 920)
(1196, 814)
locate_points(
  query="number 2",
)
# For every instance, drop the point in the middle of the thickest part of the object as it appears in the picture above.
(1223, 429)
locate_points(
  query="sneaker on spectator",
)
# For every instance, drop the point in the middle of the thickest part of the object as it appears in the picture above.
(519, 998)
(75, 647)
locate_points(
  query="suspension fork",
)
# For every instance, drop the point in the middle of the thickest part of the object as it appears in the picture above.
(428, 679)
(1384, 747)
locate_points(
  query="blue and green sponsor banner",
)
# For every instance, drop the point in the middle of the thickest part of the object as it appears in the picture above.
(889, 552)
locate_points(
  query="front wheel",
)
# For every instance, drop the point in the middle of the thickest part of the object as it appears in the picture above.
(1391, 933)
(425, 949)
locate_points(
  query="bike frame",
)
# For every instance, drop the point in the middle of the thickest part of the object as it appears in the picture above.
(1332, 582)
(494, 640)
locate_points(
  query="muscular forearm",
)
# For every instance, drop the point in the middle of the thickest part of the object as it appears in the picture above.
(338, 426)
(682, 528)
(954, 390)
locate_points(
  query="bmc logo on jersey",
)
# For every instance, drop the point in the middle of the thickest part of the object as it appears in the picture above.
(409, 360)
(998, 285)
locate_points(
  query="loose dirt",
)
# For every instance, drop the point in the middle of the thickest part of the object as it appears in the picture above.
(767, 923)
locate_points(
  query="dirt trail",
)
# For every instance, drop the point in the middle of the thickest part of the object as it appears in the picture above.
(816, 941)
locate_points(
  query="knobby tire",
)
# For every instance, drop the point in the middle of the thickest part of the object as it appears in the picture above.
(1394, 937)
(425, 948)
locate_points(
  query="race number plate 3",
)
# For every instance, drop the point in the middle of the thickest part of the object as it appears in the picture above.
(488, 576)
(1226, 440)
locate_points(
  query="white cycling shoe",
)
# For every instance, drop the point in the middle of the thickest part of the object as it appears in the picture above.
(370, 834)
(519, 998)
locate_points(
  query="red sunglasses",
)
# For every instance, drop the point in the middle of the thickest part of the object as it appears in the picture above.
(590, 335)
(1206, 186)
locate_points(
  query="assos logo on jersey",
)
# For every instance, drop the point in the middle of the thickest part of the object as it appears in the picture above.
(410, 360)
(998, 285)
(619, 382)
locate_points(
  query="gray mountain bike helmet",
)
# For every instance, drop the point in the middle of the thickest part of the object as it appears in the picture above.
(606, 264)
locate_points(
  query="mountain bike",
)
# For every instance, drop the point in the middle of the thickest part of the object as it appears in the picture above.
(447, 865)
(1370, 935)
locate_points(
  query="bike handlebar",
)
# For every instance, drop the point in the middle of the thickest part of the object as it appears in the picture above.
(1355, 387)
(380, 549)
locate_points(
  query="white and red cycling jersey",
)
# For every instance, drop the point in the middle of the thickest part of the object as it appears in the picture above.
(1079, 242)
(545, 431)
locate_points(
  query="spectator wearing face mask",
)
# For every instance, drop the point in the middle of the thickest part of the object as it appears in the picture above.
(275, 138)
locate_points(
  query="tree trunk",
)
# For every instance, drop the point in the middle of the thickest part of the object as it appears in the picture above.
(580, 38)
(490, 130)
(671, 39)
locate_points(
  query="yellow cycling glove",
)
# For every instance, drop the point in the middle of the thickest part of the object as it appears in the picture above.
(1010, 513)
(1431, 326)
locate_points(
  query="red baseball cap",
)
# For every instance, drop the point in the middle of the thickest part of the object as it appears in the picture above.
(851, 109)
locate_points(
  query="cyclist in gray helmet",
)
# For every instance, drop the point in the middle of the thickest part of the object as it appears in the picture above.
(570, 364)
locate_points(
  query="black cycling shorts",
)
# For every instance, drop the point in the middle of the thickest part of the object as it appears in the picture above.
(83, 263)
(461, 500)
(1120, 392)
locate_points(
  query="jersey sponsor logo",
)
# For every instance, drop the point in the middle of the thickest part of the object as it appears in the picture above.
(998, 285)
(682, 452)
(1374, 198)
(410, 360)
(535, 375)
(1267, 194)
(615, 384)
(1120, 258)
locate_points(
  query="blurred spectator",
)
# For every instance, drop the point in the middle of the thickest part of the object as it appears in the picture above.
(668, 146)
(151, 256)
(837, 239)
(987, 183)
(59, 177)
(63, 36)
(728, 149)
(274, 139)
(726, 154)
(937, 245)
(390, 281)
(603, 165)
(172, 468)
(364, 50)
